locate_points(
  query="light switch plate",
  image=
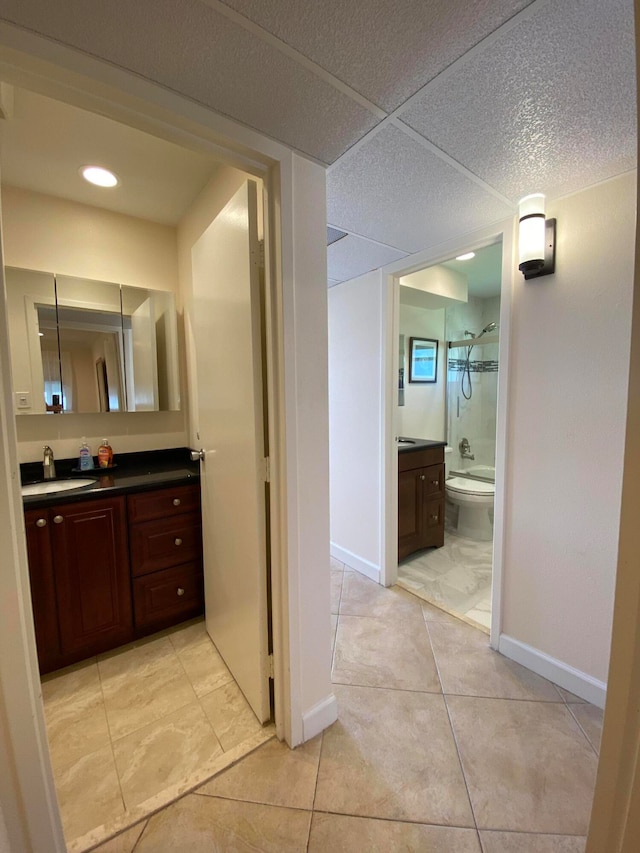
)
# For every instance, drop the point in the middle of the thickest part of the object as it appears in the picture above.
(23, 399)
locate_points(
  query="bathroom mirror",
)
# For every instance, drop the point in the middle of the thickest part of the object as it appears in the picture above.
(82, 346)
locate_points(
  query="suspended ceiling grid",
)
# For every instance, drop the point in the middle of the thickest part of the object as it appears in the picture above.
(434, 117)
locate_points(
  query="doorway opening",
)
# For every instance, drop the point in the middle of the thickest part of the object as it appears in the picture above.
(110, 759)
(455, 312)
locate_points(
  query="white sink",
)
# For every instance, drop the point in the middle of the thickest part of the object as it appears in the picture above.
(52, 486)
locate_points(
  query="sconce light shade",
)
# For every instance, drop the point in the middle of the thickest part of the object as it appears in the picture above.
(536, 238)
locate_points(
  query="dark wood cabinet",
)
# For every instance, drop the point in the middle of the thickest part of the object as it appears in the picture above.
(43, 588)
(165, 530)
(420, 500)
(92, 576)
(79, 573)
(104, 571)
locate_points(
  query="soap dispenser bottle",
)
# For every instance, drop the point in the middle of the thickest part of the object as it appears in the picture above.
(85, 462)
(105, 455)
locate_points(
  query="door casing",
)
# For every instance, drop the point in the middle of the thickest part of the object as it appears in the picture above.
(389, 414)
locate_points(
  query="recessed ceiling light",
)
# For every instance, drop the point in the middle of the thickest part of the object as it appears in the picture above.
(466, 257)
(99, 176)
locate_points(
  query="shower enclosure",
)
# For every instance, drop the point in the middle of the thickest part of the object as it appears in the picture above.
(472, 387)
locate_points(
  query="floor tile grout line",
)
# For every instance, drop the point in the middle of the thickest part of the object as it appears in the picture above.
(227, 798)
(464, 775)
(315, 789)
(449, 693)
(394, 819)
(582, 729)
(533, 832)
(139, 838)
(455, 740)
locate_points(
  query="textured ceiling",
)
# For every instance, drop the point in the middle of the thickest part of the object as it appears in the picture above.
(435, 117)
(384, 50)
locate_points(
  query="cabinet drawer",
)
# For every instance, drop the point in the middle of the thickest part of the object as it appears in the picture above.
(433, 482)
(433, 513)
(166, 542)
(168, 596)
(163, 503)
(408, 460)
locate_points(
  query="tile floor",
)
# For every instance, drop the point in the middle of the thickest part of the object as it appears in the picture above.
(442, 746)
(133, 728)
(456, 577)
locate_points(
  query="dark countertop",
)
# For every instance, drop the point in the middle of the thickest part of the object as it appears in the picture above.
(133, 472)
(418, 444)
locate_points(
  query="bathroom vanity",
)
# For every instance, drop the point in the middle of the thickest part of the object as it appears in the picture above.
(115, 560)
(421, 476)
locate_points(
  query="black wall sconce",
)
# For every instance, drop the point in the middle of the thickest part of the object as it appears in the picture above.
(536, 238)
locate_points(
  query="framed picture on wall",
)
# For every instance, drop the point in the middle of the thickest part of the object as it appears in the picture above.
(423, 360)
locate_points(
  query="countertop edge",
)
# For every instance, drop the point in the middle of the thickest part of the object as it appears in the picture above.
(419, 444)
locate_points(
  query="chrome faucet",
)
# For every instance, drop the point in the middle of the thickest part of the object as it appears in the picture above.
(48, 465)
(464, 447)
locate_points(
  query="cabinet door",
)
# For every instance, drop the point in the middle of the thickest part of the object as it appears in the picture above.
(43, 588)
(410, 512)
(92, 575)
(433, 523)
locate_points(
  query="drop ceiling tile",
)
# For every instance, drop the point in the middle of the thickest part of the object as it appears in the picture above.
(397, 192)
(353, 256)
(188, 47)
(383, 50)
(551, 107)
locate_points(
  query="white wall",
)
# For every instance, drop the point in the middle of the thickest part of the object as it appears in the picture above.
(306, 397)
(355, 402)
(569, 357)
(423, 413)
(568, 399)
(41, 232)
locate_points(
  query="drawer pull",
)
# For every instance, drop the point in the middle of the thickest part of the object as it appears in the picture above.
(178, 541)
(176, 501)
(434, 518)
(41, 522)
(435, 482)
(422, 476)
(180, 591)
(58, 519)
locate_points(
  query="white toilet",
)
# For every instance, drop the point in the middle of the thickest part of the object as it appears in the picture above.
(474, 500)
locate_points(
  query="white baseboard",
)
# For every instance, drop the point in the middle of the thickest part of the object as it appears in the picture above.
(320, 717)
(573, 680)
(354, 562)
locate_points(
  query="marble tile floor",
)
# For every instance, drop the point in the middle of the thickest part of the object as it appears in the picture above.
(441, 746)
(456, 577)
(132, 729)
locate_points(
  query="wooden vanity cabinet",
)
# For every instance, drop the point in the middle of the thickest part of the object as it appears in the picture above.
(43, 588)
(79, 571)
(106, 571)
(165, 532)
(420, 500)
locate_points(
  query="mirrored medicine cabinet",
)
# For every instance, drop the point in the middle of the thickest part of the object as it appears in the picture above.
(80, 346)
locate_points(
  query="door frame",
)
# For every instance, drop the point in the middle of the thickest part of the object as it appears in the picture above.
(32, 820)
(506, 233)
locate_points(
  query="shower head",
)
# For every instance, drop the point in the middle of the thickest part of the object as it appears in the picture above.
(488, 328)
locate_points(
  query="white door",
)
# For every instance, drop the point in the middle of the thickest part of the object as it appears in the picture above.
(227, 332)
